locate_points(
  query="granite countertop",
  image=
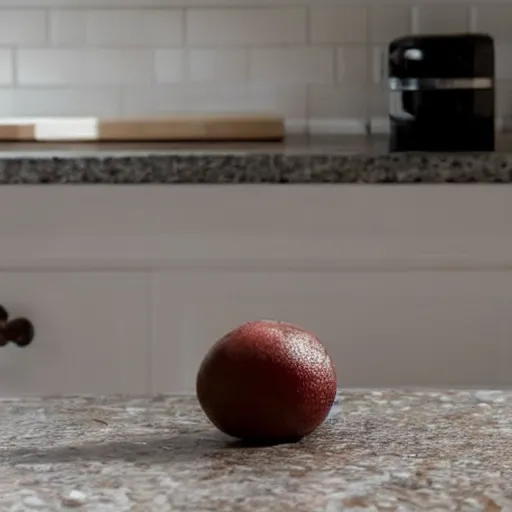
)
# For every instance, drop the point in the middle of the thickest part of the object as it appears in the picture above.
(343, 159)
(378, 450)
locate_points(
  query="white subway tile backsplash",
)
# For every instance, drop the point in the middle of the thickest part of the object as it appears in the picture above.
(228, 65)
(379, 101)
(338, 101)
(139, 101)
(119, 67)
(6, 67)
(495, 20)
(246, 26)
(504, 101)
(75, 101)
(353, 64)
(59, 67)
(67, 27)
(297, 65)
(318, 59)
(379, 64)
(18, 27)
(435, 18)
(50, 67)
(169, 64)
(151, 27)
(389, 21)
(289, 101)
(503, 60)
(7, 107)
(339, 24)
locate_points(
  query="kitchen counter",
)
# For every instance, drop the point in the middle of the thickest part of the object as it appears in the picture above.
(379, 450)
(344, 159)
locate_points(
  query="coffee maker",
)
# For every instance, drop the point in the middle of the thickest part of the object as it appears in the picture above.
(442, 93)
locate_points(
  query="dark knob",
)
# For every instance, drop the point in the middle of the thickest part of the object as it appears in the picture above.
(18, 330)
(4, 316)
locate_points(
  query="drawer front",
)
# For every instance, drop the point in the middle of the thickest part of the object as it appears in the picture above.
(90, 333)
(391, 328)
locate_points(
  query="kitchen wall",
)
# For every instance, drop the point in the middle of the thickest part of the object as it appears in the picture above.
(317, 62)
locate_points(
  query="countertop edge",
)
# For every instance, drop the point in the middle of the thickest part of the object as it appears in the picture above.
(259, 166)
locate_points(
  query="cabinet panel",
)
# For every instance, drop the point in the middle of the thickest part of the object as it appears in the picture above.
(394, 328)
(91, 333)
(295, 226)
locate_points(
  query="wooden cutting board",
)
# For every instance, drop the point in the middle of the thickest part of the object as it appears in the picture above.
(172, 128)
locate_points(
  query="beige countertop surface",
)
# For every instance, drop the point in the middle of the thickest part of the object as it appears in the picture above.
(380, 450)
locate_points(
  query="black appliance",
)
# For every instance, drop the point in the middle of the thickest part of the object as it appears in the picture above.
(442, 93)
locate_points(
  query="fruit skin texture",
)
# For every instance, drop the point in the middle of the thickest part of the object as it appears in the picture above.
(267, 381)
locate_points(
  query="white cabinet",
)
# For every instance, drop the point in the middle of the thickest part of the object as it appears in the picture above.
(395, 328)
(91, 333)
(128, 286)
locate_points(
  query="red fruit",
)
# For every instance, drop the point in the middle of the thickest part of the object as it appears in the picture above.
(267, 382)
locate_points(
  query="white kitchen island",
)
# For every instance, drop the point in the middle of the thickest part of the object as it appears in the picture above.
(127, 286)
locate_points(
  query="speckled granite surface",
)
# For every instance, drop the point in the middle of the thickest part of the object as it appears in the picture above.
(346, 159)
(381, 450)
